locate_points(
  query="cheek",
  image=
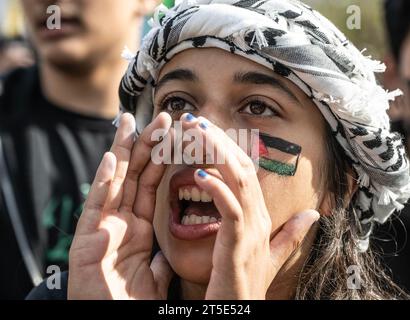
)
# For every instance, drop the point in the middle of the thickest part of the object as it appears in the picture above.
(286, 196)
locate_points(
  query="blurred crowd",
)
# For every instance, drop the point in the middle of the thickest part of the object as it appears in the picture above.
(58, 98)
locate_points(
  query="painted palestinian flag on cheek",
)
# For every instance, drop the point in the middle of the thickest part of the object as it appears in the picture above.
(275, 154)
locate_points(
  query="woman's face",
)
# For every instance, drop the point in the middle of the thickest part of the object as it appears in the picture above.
(236, 93)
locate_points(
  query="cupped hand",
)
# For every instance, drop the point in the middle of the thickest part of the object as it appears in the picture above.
(110, 257)
(246, 258)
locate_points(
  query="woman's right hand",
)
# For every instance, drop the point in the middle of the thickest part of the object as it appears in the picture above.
(110, 257)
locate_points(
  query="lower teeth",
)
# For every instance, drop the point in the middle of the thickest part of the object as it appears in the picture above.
(194, 219)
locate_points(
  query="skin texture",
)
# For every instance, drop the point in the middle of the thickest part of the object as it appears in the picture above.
(81, 64)
(259, 248)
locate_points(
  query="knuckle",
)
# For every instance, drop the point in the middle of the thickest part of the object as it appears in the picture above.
(93, 206)
(144, 142)
(294, 237)
(121, 150)
(76, 258)
(117, 182)
(295, 243)
(147, 187)
(248, 165)
(132, 173)
(237, 217)
(243, 179)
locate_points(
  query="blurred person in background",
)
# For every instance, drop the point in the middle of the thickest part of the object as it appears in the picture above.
(55, 124)
(396, 251)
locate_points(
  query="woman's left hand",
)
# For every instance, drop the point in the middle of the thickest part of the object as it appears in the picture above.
(245, 258)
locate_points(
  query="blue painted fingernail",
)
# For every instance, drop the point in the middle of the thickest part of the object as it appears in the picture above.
(202, 174)
(204, 125)
(189, 117)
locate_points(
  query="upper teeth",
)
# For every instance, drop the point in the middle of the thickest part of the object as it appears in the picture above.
(194, 194)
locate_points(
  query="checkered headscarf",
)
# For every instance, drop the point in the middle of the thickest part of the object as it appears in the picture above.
(298, 43)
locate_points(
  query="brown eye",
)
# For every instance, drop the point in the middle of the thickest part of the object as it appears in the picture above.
(258, 108)
(176, 104)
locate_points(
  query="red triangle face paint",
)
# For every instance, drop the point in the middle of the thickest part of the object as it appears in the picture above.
(275, 154)
(258, 149)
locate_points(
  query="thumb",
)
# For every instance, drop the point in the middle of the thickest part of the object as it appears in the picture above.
(291, 236)
(162, 272)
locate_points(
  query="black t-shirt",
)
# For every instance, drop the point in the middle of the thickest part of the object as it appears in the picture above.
(52, 156)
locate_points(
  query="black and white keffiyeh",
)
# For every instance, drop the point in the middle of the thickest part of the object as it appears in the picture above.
(300, 44)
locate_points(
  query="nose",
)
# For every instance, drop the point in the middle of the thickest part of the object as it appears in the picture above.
(218, 115)
(197, 154)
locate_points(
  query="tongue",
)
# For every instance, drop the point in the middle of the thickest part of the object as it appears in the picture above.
(202, 209)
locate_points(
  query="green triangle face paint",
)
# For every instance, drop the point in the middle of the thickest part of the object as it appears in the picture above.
(275, 154)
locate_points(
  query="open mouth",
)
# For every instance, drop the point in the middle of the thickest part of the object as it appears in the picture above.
(193, 212)
(196, 207)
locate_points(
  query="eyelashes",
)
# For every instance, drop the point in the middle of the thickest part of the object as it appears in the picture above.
(174, 104)
(253, 106)
(258, 107)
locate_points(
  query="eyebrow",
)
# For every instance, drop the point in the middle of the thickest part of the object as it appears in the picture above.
(251, 77)
(178, 74)
(264, 79)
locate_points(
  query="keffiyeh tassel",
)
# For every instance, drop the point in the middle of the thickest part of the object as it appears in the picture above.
(259, 38)
(127, 54)
(363, 180)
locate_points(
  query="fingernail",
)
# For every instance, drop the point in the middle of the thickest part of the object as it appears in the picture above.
(189, 117)
(202, 174)
(317, 216)
(312, 214)
(204, 125)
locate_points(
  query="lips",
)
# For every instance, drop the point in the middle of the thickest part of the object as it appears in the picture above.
(69, 26)
(193, 214)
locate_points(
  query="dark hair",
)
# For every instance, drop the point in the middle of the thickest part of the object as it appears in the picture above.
(326, 271)
(397, 15)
